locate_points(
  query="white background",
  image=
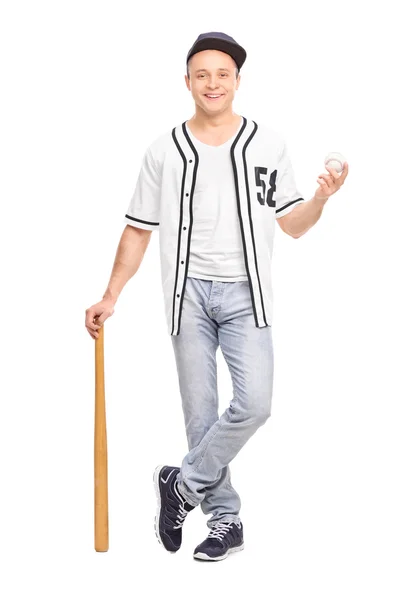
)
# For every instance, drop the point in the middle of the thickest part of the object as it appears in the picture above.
(86, 86)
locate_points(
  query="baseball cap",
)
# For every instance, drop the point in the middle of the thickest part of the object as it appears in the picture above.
(216, 40)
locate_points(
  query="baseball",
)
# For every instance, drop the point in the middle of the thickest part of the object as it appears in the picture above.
(335, 160)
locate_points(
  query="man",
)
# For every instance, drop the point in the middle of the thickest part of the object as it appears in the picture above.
(213, 188)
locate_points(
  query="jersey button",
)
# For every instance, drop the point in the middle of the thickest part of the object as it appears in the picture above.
(187, 194)
(177, 295)
(190, 160)
(182, 261)
(184, 228)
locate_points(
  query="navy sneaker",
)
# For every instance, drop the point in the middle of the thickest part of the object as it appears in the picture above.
(172, 509)
(224, 538)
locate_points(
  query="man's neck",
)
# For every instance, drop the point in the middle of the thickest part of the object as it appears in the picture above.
(213, 123)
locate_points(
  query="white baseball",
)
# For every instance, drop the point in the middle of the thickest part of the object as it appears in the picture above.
(335, 160)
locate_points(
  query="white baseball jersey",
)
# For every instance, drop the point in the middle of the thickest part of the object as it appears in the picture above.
(265, 189)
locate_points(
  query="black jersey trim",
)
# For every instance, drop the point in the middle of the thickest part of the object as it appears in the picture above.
(250, 219)
(196, 164)
(180, 224)
(289, 204)
(235, 174)
(141, 220)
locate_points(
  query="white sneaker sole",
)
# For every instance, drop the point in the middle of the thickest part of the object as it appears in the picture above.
(203, 556)
(158, 496)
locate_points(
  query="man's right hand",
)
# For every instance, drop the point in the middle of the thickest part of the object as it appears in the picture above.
(96, 315)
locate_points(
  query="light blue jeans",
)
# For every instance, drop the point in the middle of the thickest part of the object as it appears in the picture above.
(219, 313)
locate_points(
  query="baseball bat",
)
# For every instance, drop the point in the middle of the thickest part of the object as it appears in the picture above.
(100, 451)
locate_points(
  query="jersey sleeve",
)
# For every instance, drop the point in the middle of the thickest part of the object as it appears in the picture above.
(287, 196)
(144, 207)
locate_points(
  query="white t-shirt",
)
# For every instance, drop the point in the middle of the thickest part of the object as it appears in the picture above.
(216, 248)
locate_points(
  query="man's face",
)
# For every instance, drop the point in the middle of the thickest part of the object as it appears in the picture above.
(212, 73)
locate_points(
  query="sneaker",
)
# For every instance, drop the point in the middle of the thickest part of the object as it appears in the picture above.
(171, 508)
(224, 538)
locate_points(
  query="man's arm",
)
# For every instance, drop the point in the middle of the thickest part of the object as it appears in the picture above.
(130, 252)
(306, 214)
(303, 217)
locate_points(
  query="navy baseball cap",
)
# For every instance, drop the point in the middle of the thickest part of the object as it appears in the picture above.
(216, 40)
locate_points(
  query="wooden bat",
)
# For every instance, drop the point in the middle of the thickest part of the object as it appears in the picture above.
(100, 451)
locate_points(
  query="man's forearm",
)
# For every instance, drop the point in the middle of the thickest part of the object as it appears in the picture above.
(130, 252)
(305, 215)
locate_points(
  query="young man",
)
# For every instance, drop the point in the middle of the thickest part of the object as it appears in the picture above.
(213, 188)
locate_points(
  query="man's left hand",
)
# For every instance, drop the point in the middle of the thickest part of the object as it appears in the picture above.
(329, 184)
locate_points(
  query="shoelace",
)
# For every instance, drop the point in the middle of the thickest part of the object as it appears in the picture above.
(182, 512)
(220, 529)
